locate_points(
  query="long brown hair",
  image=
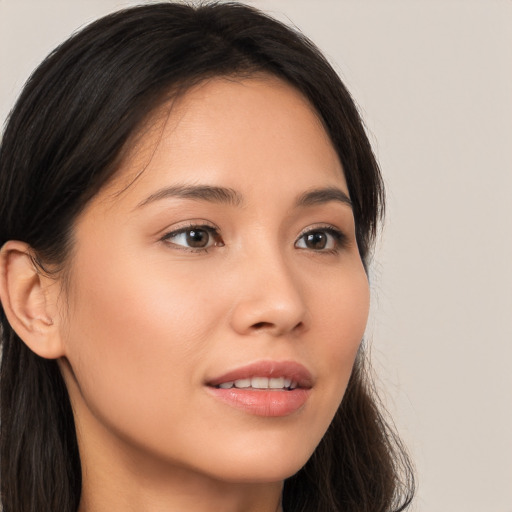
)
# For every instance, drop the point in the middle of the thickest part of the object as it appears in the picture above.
(62, 143)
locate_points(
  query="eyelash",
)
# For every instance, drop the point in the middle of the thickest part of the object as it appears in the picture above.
(338, 238)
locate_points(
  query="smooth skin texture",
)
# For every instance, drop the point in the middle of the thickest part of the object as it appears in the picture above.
(147, 320)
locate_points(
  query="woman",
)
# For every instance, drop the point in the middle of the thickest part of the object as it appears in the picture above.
(189, 202)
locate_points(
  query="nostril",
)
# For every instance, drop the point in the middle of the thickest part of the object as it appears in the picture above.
(262, 325)
(270, 326)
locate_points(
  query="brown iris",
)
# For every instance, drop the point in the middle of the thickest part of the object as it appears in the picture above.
(197, 238)
(316, 240)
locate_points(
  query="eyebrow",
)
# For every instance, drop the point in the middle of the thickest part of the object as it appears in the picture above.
(208, 193)
(223, 195)
(323, 195)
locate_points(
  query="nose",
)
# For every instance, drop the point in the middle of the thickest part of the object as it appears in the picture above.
(270, 299)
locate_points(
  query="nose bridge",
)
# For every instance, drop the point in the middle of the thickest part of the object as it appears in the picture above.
(270, 295)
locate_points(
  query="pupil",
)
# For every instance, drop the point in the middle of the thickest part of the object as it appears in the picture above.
(197, 238)
(316, 240)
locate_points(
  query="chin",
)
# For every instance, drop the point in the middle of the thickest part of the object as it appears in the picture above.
(269, 466)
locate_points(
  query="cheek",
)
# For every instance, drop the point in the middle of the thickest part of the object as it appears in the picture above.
(137, 333)
(341, 308)
(349, 314)
(341, 314)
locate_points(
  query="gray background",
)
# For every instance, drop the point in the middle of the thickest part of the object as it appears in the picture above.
(433, 80)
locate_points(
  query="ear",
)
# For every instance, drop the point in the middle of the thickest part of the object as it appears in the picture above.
(29, 299)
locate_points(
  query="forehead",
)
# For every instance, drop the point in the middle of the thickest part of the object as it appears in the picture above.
(242, 133)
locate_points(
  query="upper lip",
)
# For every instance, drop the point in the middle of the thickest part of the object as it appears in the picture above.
(287, 369)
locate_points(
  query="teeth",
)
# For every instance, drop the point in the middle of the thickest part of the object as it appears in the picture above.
(243, 383)
(260, 383)
(276, 383)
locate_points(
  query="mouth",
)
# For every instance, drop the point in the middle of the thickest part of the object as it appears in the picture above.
(265, 388)
(277, 383)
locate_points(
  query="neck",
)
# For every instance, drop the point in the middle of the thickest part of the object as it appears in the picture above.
(177, 494)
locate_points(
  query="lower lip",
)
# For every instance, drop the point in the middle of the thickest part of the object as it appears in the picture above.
(263, 402)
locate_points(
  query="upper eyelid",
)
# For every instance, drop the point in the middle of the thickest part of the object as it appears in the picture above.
(205, 227)
(320, 227)
(212, 227)
(180, 227)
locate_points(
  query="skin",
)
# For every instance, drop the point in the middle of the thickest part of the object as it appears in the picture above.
(146, 321)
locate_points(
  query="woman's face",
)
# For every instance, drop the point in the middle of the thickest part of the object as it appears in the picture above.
(230, 259)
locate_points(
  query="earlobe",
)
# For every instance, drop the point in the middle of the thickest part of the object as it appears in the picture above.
(29, 301)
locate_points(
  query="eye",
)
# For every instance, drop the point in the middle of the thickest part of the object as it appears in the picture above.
(326, 239)
(195, 238)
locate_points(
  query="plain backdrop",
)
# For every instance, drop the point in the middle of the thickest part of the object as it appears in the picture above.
(433, 80)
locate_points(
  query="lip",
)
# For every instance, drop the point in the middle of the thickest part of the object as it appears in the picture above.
(264, 402)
